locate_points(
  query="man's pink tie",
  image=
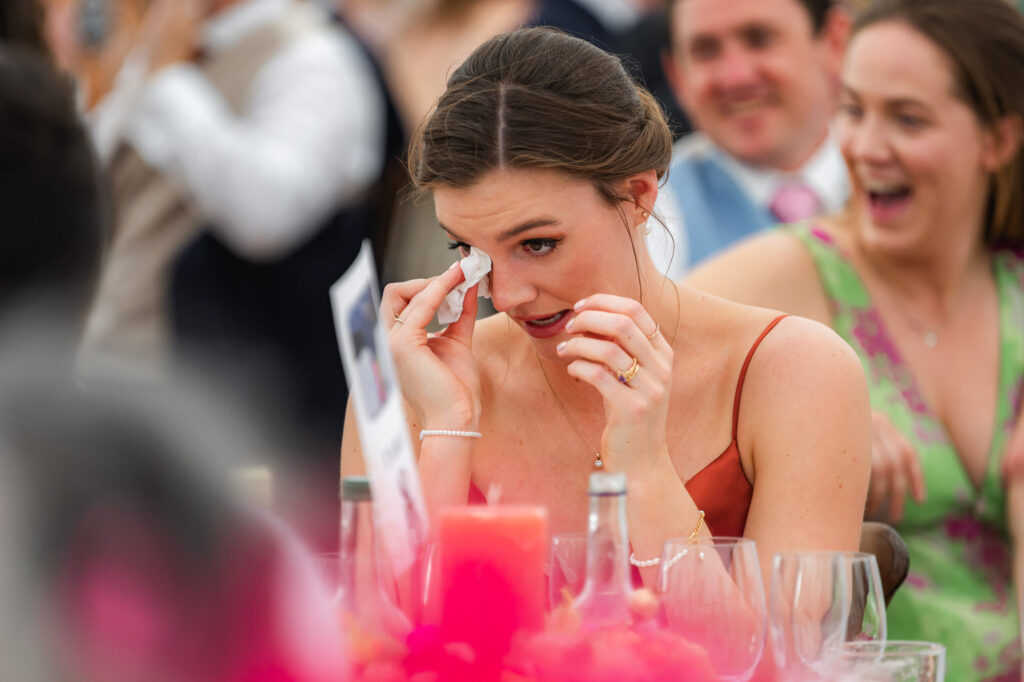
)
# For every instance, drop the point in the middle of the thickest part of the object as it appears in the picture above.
(795, 202)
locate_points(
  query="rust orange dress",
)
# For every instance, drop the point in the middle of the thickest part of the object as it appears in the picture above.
(721, 488)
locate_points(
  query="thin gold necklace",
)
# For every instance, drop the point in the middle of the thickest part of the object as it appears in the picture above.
(598, 457)
(930, 337)
(927, 334)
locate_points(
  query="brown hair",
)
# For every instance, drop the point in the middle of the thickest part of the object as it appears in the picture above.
(984, 40)
(21, 23)
(817, 10)
(442, 11)
(539, 98)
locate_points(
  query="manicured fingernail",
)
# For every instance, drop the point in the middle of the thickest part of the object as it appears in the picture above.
(570, 324)
(579, 304)
(560, 347)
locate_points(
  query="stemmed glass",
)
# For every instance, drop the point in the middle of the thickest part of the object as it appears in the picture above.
(818, 601)
(713, 595)
(866, 621)
(808, 610)
(893, 661)
(567, 567)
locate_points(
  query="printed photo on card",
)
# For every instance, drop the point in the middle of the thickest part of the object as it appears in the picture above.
(398, 509)
(374, 378)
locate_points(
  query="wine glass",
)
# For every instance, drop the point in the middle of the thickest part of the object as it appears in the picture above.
(893, 661)
(713, 595)
(866, 621)
(808, 611)
(567, 568)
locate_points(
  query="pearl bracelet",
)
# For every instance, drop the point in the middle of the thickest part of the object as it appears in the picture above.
(657, 560)
(648, 563)
(449, 432)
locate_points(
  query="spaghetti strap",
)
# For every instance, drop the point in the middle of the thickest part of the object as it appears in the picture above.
(743, 375)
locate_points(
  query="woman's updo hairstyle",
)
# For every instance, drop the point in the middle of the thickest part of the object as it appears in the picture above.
(539, 98)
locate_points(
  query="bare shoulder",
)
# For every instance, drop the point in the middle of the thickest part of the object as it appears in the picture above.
(799, 345)
(723, 327)
(806, 384)
(800, 372)
(806, 428)
(772, 269)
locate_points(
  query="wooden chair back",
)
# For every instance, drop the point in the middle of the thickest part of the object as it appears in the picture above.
(887, 545)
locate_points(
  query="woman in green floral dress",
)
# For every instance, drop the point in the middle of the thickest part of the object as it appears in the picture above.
(923, 275)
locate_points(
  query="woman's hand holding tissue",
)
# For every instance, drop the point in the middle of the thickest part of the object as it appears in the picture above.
(437, 372)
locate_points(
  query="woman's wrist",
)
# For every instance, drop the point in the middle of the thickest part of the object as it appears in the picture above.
(453, 420)
(647, 472)
(654, 489)
(449, 431)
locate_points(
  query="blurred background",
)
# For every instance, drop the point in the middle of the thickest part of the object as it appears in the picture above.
(182, 181)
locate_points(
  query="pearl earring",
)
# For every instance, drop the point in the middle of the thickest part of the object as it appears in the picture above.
(643, 226)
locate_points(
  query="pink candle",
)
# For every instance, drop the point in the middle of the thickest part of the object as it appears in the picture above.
(492, 577)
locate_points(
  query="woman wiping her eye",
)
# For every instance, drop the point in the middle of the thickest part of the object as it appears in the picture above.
(543, 154)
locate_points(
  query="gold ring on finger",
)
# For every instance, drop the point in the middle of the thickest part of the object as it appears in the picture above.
(626, 376)
(657, 328)
(398, 319)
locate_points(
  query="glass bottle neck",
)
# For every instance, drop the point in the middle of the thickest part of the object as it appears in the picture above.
(357, 547)
(367, 589)
(608, 585)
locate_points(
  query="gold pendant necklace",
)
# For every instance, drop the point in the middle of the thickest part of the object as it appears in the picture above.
(927, 334)
(598, 457)
(598, 460)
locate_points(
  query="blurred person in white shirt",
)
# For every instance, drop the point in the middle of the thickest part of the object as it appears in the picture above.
(245, 142)
(260, 158)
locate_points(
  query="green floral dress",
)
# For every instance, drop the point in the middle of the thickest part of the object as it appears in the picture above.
(959, 591)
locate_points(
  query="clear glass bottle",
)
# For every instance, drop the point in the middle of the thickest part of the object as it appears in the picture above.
(367, 594)
(605, 597)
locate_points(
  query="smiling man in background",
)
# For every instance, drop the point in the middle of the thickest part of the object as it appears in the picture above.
(759, 79)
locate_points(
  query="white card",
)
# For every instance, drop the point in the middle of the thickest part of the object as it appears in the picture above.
(399, 512)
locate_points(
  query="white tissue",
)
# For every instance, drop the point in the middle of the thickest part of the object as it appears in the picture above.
(475, 267)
